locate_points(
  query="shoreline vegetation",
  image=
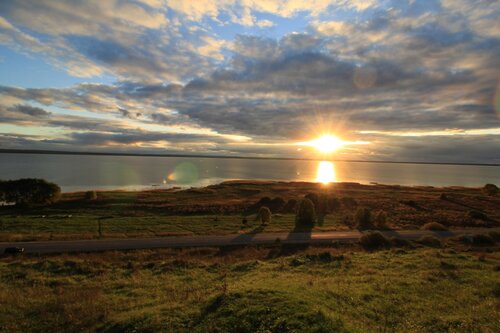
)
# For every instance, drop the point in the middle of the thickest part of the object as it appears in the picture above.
(59, 152)
(235, 207)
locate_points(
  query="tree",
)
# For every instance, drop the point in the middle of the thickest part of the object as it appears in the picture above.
(490, 189)
(306, 214)
(264, 215)
(363, 218)
(29, 191)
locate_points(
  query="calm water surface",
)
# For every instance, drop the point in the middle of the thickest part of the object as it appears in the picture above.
(78, 172)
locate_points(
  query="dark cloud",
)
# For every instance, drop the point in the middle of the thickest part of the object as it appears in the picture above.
(30, 110)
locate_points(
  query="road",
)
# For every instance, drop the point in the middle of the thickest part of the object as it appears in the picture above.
(226, 240)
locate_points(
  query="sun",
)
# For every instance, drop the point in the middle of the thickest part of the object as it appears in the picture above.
(326, 144)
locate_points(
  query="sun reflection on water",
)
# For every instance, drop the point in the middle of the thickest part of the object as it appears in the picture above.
(326, 172)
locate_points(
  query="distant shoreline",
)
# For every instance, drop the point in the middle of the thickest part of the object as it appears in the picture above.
(59, 152)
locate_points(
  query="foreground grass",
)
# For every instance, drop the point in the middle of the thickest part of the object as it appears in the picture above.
(253, 290)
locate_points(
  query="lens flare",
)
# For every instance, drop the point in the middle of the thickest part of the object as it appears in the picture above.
(325, 173)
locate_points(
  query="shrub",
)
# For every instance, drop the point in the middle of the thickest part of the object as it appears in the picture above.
(474, 214)
(430, 241)
(349, 202)
(276, 204)
(91, 195)
(483, 239)
(374, 240)
(333, 203)
(400, 242)
(322, 205)
(363, 218)
(435, 226)
(314, 197)
(381, 220)
(264, 215)
(290, 206)
(306, 215)
(490, 189)
(29, 191)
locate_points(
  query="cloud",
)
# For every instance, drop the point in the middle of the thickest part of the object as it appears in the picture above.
(30, 110)
(390, 67)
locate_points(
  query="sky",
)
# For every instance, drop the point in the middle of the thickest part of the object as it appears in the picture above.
(396, 80)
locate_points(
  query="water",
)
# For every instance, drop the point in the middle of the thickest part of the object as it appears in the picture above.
(82, 172)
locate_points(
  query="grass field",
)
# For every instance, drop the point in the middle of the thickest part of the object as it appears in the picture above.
(277, 289)
(219, 209)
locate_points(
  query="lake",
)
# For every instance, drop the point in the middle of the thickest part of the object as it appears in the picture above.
(83, 172)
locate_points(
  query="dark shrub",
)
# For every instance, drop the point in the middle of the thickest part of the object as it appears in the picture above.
(349, 202)
(314, 197)
(490, 189)
(306, 215)
(264, 201)
(381, 221)
(430, 241)
(29, 191)
(443, 196)
(290, 206)
(434, 226)
(363, 218)
(374, 240)
(494, 235)
(91, 195)
(400, 242)
(276, 205)
(322, 206)
(333, 203)
(483, 239)
(264, 215)
(474, 214)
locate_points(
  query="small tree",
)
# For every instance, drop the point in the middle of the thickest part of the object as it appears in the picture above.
(306, 215)
(363, 218)
(29, 191)
(381, 220)
(91, 195)
(264, 215)
(490, 189)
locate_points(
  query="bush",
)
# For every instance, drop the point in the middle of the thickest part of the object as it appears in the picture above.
(434, 226)
(290, 206)
(490, 189)
(483, 239)
(363, 218)
(349, 202)
(264, 215)
(306, 215)
(333, 203)
(314, 197)
(474, 214)
(430, 241)
(322, 206)
(381, 221)
(276, 204)
(29, 191)
(91, 195)
(374, 240)
(400, 242)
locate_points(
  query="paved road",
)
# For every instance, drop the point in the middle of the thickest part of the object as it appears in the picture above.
(227, 240)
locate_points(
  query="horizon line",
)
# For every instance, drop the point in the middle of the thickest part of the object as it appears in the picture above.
(93, 153)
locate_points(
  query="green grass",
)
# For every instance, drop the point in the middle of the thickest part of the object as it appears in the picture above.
(253, 290)
(85, 226)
